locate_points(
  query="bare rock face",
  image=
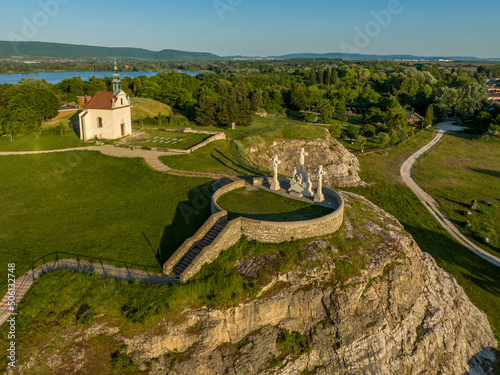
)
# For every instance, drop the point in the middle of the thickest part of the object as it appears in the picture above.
(340, 166)
(401, 314)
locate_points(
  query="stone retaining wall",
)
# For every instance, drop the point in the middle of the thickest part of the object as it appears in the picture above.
(168, 266)
(263, 231)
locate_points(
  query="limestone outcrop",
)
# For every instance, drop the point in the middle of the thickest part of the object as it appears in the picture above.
(400, 314)
(341, 168)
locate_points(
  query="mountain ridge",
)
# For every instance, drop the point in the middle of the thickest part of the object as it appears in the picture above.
(47, 50)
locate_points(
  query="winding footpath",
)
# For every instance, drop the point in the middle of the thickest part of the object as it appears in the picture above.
(431, 204)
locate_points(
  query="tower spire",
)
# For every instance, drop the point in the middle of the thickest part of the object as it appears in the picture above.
(117, 83)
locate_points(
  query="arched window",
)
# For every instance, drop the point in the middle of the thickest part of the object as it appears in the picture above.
(99, 122)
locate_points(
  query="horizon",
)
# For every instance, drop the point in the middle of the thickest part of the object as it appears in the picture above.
(258, 29)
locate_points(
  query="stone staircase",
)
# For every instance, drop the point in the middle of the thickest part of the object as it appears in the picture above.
(157, 165)
(198, 246)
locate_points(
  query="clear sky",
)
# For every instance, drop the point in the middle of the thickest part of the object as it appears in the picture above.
(263, 28)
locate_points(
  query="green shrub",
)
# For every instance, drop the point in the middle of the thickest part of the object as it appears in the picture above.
(291, 342)
(122, 363)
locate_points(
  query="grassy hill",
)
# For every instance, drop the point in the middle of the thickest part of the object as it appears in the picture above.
(143, 107)
(73, 51)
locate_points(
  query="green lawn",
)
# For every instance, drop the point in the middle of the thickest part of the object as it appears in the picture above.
(143, 107)
(85, 203)
(216, 157)
(457, 170)
(164, 139)
(478, 277)
(51, 139)
(263, 205)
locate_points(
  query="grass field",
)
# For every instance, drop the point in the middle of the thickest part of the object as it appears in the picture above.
(352, 146)
(93, 205)
(216, 157)
(478, 277)
(164, 139)
(457, 170)
(263, 205)
(50, 139)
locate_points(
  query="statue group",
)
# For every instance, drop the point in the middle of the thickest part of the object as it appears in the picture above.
(301, 180)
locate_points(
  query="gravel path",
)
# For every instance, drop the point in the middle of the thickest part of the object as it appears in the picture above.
(432, 205)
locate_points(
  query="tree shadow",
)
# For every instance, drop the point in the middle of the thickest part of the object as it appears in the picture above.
(486, 172)
(189, 217)
(464, 205)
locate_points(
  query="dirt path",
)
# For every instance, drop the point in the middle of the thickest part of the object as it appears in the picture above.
(432, 205)
(120, 152)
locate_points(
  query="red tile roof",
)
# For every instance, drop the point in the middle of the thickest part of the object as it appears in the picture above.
(101, 100)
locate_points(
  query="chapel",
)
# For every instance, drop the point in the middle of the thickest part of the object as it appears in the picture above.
(107, 115)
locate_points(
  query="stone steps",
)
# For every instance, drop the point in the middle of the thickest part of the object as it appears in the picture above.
(157, 165)
(193, 252)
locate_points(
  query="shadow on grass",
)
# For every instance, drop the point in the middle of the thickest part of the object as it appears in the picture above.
(189, 217)
(74, 123)
(485, 171)
(307, 213)
(230, 163)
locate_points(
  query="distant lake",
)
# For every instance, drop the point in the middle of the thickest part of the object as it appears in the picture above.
(56, 77)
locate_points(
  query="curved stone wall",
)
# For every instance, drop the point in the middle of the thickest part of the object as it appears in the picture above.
(276, 232)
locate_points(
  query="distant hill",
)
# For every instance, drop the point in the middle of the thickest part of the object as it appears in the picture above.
(356, 56)
(73, 51)
(43, 50)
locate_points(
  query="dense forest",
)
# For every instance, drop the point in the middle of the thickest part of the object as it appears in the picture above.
(307, 89)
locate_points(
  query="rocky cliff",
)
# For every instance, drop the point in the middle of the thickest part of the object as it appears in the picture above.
(400, 314)
(340, 166)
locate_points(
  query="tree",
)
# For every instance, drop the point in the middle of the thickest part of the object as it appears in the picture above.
(393, 136)
(368, 130)
(324, 108)
(374, 116)
(205, 112)
(335, 130)
(361, 141)
(256, 100)
(340, 107)
(351, 131)
(383, 139)
(398, 119)
(309, 117)
(429, 116)
(298, 98)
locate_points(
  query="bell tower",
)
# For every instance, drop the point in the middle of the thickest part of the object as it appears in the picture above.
(117, 83)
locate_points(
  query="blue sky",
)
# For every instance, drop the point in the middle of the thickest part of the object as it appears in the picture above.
(264, 28)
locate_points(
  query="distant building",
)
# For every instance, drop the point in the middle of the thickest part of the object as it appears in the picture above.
(494, 90)
(108, 114)
(414, 118)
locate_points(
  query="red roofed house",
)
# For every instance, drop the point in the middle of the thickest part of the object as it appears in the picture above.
(108, 114)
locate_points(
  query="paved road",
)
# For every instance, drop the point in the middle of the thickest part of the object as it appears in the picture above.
(432, 205)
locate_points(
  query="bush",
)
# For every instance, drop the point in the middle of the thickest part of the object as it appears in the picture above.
(291, 342)
(368, 130)
(122, 363)
(309, 117)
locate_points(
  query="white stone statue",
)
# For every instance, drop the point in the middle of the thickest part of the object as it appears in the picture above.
(302, 154)
(276, 184)
(319, 193)
(308, 192)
